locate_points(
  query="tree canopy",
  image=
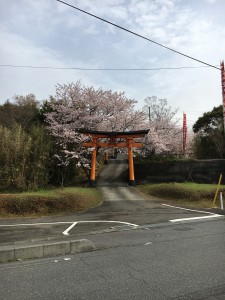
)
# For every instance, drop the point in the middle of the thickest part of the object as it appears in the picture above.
(164, 136)
(210, 121)
(209, 141)
(77, 106)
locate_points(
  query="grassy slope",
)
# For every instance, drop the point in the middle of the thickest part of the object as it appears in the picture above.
(52, 201)
(75, 199)
(188, 194)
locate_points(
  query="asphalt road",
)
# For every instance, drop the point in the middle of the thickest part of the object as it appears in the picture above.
(122, 203)
(180, 261)
(144, 250)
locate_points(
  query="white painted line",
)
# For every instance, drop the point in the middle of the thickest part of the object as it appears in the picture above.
(66, 232)
(149, 243)
(188, 209)
(195, 218)
(212, 215)
(119, 222)
(34, 224)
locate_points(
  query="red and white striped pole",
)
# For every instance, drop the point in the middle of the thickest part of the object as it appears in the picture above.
(223, 89)
(184, 132)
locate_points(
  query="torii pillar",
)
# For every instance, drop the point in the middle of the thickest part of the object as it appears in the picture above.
(131, 163)
(128, 141)
(93, 163)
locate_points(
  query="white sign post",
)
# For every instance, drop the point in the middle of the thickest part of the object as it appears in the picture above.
(221, 200)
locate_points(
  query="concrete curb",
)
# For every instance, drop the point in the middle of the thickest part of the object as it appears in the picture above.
(12, 253)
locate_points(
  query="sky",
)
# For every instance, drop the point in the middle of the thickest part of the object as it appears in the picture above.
(46, 33)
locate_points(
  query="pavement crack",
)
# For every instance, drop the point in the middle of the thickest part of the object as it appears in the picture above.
(135, 274)
(99, 271)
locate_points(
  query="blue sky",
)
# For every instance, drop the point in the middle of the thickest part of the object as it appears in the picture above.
(48, 33)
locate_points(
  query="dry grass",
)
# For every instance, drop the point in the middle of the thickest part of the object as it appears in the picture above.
(46, 202)
(186, 194)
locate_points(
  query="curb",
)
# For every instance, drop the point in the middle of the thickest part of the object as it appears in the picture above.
(13, 253)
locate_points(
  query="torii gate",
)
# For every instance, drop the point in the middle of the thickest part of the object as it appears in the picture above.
(112, 143)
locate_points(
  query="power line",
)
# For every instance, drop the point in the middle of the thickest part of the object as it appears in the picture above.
(139, 35)
(101, 69)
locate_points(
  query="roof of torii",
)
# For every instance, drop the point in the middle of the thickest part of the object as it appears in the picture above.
(121, 134)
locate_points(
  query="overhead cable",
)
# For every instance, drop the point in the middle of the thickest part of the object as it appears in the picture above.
(139, 35)
(101, 69)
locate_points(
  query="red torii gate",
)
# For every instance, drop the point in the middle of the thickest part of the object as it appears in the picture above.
(112, 143)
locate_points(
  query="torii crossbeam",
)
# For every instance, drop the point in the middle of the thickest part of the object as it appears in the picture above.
(112, 142)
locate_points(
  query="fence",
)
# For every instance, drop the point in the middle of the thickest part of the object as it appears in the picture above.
(199, 171)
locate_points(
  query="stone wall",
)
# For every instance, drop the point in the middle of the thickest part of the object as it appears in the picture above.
(199, 171)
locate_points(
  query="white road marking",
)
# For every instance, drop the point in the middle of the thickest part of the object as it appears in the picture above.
(66, 232)
(195, 218)
(34, 224)
(212, 215)
(149, 243)
(188, 209)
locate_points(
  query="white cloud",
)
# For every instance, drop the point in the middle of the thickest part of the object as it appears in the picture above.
(49, 33)
(19, 51)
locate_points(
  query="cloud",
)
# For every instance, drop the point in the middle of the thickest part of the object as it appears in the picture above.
(49, 33)
(16, 50)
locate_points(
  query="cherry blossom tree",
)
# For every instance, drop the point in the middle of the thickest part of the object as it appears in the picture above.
(76, 106)
(164, 136)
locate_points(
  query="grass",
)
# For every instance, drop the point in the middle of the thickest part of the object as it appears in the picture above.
(50, 201)
(77, 199)
(186, 194)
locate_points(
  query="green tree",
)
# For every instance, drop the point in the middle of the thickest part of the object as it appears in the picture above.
(23, 110)
(209, 141)
(14, 150)
(24, 158)
(25, 145)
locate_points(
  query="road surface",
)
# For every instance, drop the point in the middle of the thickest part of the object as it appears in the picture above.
(181, 261)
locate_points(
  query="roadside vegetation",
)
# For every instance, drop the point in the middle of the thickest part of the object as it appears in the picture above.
(46, 202)
(185, 194)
